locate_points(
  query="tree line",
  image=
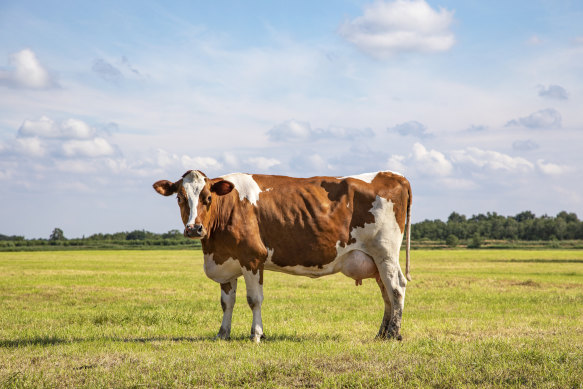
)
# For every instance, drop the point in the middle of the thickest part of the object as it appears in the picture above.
(132, 239)
(525, 226)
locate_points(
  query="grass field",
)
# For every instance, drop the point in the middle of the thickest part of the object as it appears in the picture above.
(473, 318)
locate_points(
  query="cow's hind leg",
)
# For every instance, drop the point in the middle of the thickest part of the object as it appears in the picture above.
(392, 283)
(228, 295)
(254, 284)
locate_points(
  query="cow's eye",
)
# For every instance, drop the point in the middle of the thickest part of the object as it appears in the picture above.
(178, 199)
(208, 199)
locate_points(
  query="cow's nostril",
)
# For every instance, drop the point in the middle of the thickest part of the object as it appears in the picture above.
(199, 229)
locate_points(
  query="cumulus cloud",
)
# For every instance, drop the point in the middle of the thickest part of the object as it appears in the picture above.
(262, 163)
(31, 147)
(545, 118)
(48, 128)
(556, 92)
(296, 131)
(97, 147)
(431, 162)
(525, 145)
(165, 159)
(25, 71)
(200, 163)
(309, 164)
(395, 164)
(491, 160)
(413, 128)
(388, 28)
(551, 169)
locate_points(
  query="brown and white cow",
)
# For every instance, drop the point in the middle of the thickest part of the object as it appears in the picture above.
(302, 226)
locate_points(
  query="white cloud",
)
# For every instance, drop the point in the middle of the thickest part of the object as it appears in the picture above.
(97, 147)
(413, 128)
(47, 128)
(545, 118)
(262, 163)
(30, 146)
(200, 163)
(290, 131)
(76, 166)
(309, 164)
(387, 28)
(551, 169)
(431, 162)
(165, 159)
(26, 72)
(395, 164)
(296, 131)
(553, 92)
(491, 160)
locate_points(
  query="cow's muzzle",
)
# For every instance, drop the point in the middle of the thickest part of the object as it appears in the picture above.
(194, 231)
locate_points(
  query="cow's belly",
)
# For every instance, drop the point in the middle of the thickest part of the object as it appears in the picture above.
(354, 264)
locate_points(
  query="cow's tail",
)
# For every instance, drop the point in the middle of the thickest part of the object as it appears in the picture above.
(408, 237)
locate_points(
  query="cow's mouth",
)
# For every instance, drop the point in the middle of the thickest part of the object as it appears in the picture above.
(195, 231)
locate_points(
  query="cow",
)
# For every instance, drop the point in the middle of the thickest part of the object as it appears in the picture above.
(249, 223)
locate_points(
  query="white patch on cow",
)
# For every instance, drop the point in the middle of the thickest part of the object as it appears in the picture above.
(193, 184)
(245, 185)
(380, 239)
(222, 273)
(368, 177)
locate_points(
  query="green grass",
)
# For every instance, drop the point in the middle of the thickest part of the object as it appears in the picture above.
(473, 318)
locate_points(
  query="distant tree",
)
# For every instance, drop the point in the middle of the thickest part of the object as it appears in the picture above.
(451, 240)
(57, 234)
(568, 217)
(136, 235)
(455, 217)
(526, 215)
(475, 242)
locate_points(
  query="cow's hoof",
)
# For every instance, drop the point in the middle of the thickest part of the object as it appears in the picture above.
(257, 338)
(388, 336)
(223, 335)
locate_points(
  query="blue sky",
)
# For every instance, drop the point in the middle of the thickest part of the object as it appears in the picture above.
(477, 103)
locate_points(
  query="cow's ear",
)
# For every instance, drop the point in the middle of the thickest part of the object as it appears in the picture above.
(222, 187)
(165, 187)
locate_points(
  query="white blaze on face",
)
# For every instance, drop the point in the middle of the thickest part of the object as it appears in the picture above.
(193, 184)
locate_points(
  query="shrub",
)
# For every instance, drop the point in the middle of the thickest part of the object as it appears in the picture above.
(451, 240)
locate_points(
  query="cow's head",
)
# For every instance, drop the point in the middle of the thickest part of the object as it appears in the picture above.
(194, 192)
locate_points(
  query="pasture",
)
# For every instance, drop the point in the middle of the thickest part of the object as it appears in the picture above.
(473, 318)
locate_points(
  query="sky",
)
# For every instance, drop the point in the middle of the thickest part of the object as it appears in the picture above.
(478, 103)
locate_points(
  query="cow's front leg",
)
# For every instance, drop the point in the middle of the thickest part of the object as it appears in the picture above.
(228, 295)
(254, 284)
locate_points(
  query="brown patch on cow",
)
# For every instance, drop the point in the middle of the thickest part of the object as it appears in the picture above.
(226, 287)
(251, 302)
